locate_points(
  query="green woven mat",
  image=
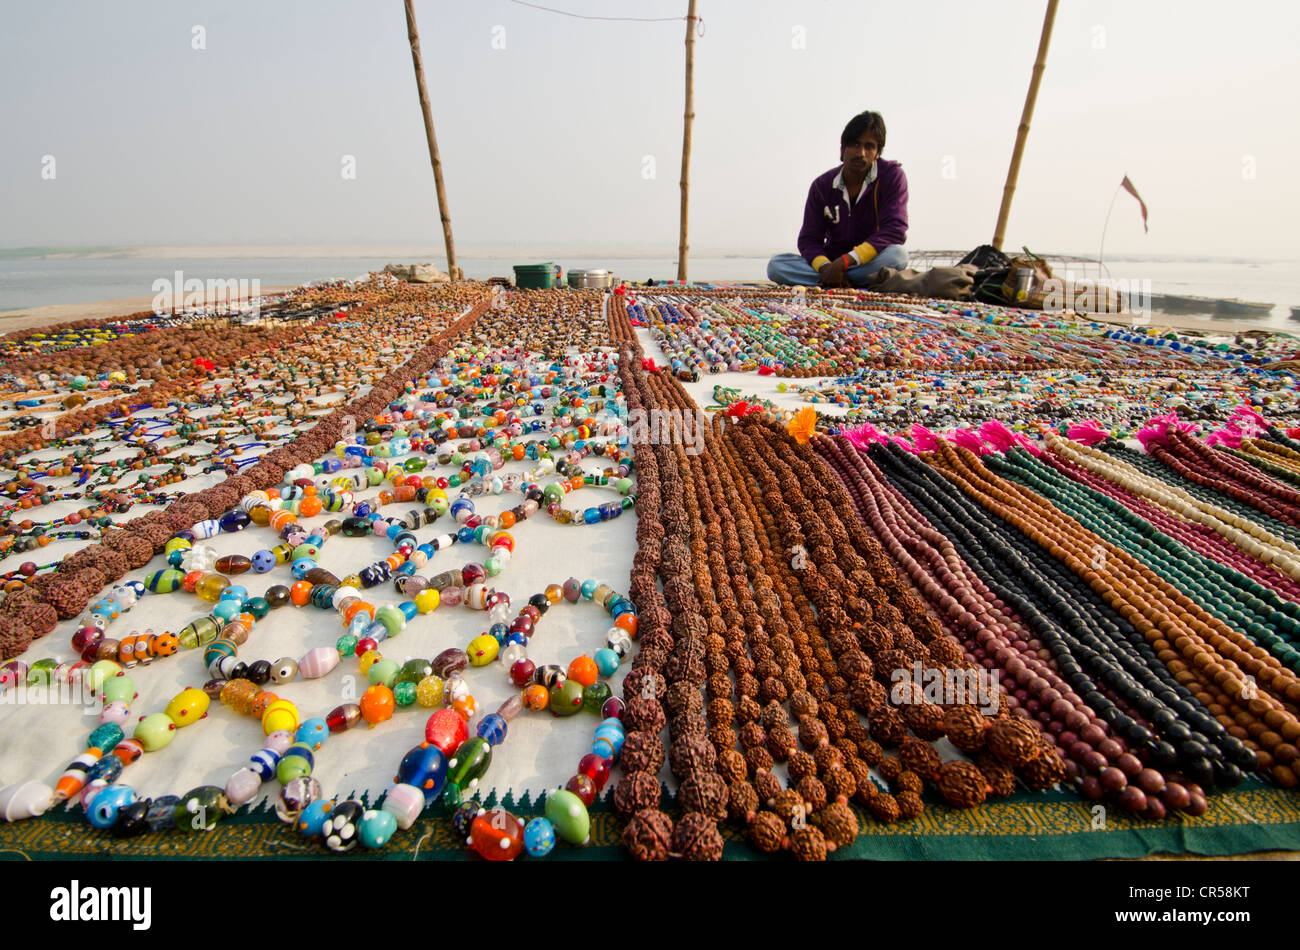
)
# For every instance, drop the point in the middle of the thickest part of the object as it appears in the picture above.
(1049, 826)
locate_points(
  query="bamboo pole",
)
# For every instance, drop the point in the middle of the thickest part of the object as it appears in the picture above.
(688, 120)
(1023, 132)
(414, 38)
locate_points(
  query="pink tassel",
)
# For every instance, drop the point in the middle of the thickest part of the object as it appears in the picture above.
(1251, 413)
(1088, 432)
(997, 435)
(1248, 420)
(1226, 436)
(1151, 435)
(923, 438)
(900, 441)
(862, 436)
(968, 440)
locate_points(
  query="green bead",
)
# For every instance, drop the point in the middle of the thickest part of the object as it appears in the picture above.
(257, 606)
(595, 695)
(155, 731)
(568, 814)
(119, 689)
(292, 767)
(566, 699)
(414, 464)
(394, 620)
(201, 808)
(41, 672)
(404, 693)
(383, 671)
(624, 485)
(100, 672)
(413, 671)
(346, 644)
(467, 765)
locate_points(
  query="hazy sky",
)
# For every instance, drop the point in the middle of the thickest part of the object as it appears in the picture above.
(553, 129)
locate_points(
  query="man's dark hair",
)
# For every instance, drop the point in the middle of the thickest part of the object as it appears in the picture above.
(864, 122)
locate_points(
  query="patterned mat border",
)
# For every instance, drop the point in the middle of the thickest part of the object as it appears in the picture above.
(1052, 826)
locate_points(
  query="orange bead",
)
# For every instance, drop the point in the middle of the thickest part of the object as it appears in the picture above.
(553, 593)
(377, 704)
(536, 697)
(300, 593)
(465, 706)
(261, 701)
(309, 507)
(279, 519)
(506, 519)
(189, 580)
(583, 670)
(395, 561)
(627, 622)
(385, 498)
(517, 453)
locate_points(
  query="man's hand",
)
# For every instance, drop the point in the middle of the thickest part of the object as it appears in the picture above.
(832, 274)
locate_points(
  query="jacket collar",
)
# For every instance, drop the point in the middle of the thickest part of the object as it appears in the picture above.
(838, 183)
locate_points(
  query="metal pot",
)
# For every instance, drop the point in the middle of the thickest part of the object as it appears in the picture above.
(591, 279)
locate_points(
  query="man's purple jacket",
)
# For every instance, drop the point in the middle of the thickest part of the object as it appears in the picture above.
(875, 221)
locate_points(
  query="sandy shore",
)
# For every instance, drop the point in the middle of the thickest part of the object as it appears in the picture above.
(1203, 324)
(65, 312)
(11, 320)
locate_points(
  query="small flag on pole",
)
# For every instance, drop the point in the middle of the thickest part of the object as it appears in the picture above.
(1128, 186)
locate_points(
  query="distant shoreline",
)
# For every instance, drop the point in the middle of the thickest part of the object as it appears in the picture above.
(35, 317)
(436, 252)
(50, 314)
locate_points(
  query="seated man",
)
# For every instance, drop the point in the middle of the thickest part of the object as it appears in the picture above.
(855, 220)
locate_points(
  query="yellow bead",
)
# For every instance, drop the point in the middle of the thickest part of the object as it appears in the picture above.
(429, 692)
(427, 600)
(483, 649)
(188, 706)
(281, 714)
(369, 659)
(210, 586)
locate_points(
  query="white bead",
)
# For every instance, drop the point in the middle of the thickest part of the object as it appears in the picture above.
(343, 592)
(512, 654)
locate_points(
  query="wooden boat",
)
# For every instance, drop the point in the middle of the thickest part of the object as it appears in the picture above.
(1242, 308)
(1211, 306)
